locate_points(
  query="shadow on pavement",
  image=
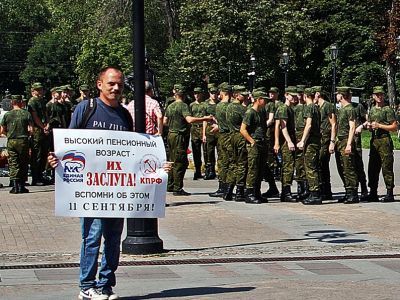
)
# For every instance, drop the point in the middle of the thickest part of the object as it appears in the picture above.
(331, 236)
(191, 203)
(187, 292)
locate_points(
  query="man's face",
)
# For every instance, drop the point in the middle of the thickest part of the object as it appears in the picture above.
(56, 95)
(213, 95)
(197, 97)
(111, 85)
(85, 93)
(37, 92)
(378, 97)
(273, 95)
(261, 102)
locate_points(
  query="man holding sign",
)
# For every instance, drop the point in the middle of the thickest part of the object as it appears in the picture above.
(108, 115)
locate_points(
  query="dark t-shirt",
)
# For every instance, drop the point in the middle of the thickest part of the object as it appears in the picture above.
(256, 123)
(104, 117)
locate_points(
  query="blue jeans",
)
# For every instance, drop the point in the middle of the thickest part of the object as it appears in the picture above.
(92, 230)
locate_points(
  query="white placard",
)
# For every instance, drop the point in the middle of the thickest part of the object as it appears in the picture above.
(105, 173)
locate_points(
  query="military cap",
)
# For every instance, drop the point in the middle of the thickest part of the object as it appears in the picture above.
(343, 90)
(300, 88)
(261, 88)
(36, 86)
(317, 88)
(84, 87)
(291, 90)
(197, 90)
(213, 89)
(225, 87)
(260, 94)
(273, 89)
(16, 98)
(68, 87)
(210, 85)
(179, 88)
(309, 91)
(378, 90)
(241, 89)
(56, 89)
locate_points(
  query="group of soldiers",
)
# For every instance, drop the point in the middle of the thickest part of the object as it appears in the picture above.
(255, 133)
(28, 126)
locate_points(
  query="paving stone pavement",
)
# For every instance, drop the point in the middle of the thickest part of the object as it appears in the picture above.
(200, 227)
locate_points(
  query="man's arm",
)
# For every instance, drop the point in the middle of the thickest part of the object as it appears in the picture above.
(306, 134)
(350, 137)
(276, 133)
(246, 135)
(332, 120)
(286, 135)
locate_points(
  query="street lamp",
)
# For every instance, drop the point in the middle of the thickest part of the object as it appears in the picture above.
(285, 65)
(252, 73)
(229, 72)
(398, 47)
(334, 55)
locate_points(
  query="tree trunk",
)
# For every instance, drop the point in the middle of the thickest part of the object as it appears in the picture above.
(172, 19)
(391, 83)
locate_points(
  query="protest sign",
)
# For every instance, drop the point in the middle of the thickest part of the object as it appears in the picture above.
(105, 173)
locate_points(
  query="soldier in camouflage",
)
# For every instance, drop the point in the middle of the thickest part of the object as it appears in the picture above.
(178, 118)
(39, 146)
(196, 131)
(345, 145)
(253, 129)
(210, 138)
(234, 116)
(225, 190)
(17, 125)
(300, 173)
(285, 138)
(328, 135)
(381, 121)
(310, 144)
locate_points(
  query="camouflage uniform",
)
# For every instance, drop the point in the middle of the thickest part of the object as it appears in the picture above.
(238, 168)
(211, 140)
(177, 142)
(225, 150)
(360, 119)
(196, 132)
(286, 113)
(312, 147)
(381, 149)
(39, 142)
(300, 172)
(17, 122)
(347, 162)
(256, 154)
(326, 111)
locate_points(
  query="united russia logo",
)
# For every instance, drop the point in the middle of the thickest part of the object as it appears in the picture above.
(73, 163)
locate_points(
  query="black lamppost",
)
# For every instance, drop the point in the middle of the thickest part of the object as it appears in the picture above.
(334, 55)
(142, 234)
(252, 73)
(285, 65)
(229, 72)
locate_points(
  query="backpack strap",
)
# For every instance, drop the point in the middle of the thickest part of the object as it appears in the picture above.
(128, 118)
(89, 111)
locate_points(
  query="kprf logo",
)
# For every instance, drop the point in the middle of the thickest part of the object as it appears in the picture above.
(74, 162)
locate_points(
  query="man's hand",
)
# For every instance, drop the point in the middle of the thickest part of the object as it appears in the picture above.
(347, 150)
(359, 129)
(375, 125)
(291, 146)
(300, 145)
(331, 147)
(276, 148)
(167, 166)
(214, 128)
(204, 139)
(52, 160)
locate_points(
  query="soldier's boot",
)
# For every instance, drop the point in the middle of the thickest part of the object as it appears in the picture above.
(197, 174)
(352, 197)
(257, 192)
(305, 190)
(313, 199)
(14, 189)
(373, 195)
(286, 195)
(220, 191)
(364, 192)
(211, 172)
(228, 195)
(21, 187)
(206, 172)
(344, 198)
(273, 191)
(326, 191)
(389, 196)
(239, 196)
(1, 185)
(251, 197)
(300, 189)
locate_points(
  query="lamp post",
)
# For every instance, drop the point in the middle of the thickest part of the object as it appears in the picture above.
(285, 65)
(398, 47)
(334, 55)
(142, 234)
(252, 73)
(229, 72)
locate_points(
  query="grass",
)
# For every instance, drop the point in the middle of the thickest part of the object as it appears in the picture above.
(366, 137)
